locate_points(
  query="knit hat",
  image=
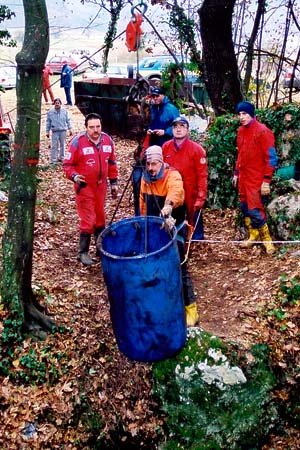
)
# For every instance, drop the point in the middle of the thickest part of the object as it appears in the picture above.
(181, 119)
(154, 152)
(246, 107)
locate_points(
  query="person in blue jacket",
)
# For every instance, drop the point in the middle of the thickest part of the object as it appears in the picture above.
(162, 115)
(66, 81)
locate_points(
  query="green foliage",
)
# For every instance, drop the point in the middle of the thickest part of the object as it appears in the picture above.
(115, 9)
(203, 415)
(32, 367)
(5, 36)
(221, 155)
(284, 130)
(11, 330)
(172, 80)
(289, 290)
(185, 30)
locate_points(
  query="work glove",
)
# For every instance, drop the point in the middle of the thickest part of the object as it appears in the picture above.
(79, 179)
(169, 223)
(265, 189)
(114, 191)
(166, 211)
(234, 181)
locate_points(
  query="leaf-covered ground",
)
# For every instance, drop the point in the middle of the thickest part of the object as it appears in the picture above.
(83, 387)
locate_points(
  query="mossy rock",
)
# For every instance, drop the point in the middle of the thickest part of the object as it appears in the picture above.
(214, 397)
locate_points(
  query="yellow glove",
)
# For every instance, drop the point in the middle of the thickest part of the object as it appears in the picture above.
(265, 189)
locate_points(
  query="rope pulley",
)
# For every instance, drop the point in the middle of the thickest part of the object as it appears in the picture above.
(134, 27)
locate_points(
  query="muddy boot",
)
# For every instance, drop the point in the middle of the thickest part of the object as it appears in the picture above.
(192, 316)
(84, 245)
(267, 240)
(97, 233)
(253, 237)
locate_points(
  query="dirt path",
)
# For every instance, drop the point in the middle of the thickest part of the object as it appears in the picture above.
(231, 283)
(233, 286)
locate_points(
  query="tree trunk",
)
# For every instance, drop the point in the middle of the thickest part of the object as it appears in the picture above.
(220, 65)
(250, 47)
(17, 294)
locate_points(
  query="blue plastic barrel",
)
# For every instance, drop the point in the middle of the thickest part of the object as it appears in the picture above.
(141, 269)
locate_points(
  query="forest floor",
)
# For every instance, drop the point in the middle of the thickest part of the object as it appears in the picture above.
(88, 387)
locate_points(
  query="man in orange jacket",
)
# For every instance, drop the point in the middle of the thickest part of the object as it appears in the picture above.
(162, 194)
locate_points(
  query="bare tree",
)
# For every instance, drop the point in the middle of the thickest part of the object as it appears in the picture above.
(17, 293)
(250, 47)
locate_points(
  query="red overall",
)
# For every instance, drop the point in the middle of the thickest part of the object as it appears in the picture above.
(255, 164)
(190, 161)
(47, 84)
(96, 163)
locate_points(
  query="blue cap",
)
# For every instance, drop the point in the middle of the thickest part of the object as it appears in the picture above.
(156, 90)
(181, 119)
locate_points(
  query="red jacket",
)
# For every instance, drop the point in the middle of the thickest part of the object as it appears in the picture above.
(190, 161)
(257, 157)
(96, 163)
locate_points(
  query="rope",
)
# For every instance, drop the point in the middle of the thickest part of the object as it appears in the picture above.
(217, 241)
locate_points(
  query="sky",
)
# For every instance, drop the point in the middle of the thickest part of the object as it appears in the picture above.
(61, 14)
(73, 25)
(72, 17)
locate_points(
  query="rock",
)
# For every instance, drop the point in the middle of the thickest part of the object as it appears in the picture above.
(285, 212)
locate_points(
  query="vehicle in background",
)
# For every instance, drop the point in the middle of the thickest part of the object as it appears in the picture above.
(8, 76)
(74, 61)
(113, 71)
(287, 79)
(152, 67)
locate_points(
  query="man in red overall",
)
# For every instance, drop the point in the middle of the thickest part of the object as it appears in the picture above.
(89, 162)
(47, 89)
(189, 158)
(255, 165)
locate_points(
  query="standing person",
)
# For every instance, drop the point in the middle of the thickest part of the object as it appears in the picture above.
(162, 114)
(255, 165)
(47, 89)
(162, 194)
(89, 162)
(189, 158)
(66, 81)
(58, 122)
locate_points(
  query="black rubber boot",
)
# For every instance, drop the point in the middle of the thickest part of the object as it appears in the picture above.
(84, 245)
(97, 233)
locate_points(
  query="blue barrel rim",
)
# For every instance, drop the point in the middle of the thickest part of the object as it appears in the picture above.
(172, 235)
